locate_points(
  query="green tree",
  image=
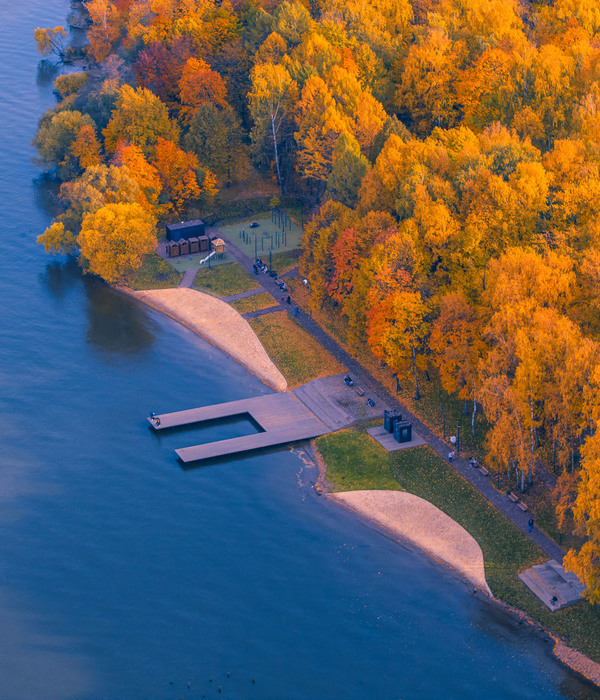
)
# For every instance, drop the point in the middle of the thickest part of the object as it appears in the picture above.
(140, 118)
(56, 136)
(349, 168)
(215, 136)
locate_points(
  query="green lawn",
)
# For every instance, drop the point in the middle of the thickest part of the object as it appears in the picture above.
(254, 303)
(225, 280)
(287, 260)
(155, 273)
(298, 356)
(355, 461)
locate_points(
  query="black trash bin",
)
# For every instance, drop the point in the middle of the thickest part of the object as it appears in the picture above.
(402, 431)
(389, 418)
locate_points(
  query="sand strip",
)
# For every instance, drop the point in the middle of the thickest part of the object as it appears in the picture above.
(218, 323)
(417, 521)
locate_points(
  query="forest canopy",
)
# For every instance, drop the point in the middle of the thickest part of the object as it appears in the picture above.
(450, 152)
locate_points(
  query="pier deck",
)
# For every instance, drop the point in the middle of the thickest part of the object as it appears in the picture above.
(281, 417)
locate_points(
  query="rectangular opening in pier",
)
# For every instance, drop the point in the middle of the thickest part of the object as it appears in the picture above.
(212, 430)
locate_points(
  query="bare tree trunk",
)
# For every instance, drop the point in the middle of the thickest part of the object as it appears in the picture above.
(523, 480)
(417, 392)
(532, 446)
(276, 152)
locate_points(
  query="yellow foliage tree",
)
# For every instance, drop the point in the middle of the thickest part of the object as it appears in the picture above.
(115, 238)
(586, 562)
(56, 239)
(86, 148)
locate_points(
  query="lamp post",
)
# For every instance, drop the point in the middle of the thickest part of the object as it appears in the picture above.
(458, 440)
(444, 419)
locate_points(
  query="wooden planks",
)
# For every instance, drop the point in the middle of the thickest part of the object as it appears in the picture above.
(282, 417)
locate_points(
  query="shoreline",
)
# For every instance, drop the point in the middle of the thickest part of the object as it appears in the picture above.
(217, 322)
(573, 659)
(414, 520)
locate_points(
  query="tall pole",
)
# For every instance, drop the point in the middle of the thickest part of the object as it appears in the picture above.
(270, 260)
(255, 248)
(458, 440)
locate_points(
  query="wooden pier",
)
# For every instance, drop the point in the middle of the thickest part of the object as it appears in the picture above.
(282, 418)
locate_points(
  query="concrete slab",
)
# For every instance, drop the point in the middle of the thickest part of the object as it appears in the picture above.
(337, 404)
(554, 586)
(386, 440)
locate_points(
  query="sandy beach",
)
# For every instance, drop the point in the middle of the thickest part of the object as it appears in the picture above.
(419, 522)
(220, 324)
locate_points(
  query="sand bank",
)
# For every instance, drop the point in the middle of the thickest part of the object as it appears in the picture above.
(417, 521)
(218, 323)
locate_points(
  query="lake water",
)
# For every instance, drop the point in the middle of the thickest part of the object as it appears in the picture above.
(123, 576)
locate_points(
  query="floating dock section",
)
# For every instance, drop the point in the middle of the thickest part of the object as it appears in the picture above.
(282, 418)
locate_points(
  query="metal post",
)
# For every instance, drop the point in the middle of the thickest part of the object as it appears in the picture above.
(270, 260)
(444, 417)
(458, 440)
(255, 248)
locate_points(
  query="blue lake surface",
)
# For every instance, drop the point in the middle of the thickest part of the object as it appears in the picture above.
(123, 576)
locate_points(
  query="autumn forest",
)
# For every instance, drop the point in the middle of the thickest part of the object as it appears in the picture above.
(448, 152)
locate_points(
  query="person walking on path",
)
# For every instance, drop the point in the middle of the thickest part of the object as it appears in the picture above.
(450, 456)
(530, 525)
(296, 310)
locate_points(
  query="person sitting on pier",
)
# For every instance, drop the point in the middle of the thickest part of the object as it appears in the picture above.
(152, 415)
(157, 421)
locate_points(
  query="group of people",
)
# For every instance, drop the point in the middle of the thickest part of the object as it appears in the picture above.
(259, 266)
(154, 418)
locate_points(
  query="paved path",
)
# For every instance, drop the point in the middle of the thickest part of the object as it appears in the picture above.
(261, 312)
(384, 399)
(243, 295)
(188, 278)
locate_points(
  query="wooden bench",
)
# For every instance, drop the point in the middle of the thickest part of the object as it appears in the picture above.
(359, 391)
(484, 471)
(522, 506)
(513, 498)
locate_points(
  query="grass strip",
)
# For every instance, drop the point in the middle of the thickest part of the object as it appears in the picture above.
(296, 353)
(355, 461)
(225, 280)
(286, 260)
(256, 302)
(154, 273)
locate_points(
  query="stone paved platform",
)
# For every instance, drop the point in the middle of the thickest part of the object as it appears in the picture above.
(387, 441)
(554, 586)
